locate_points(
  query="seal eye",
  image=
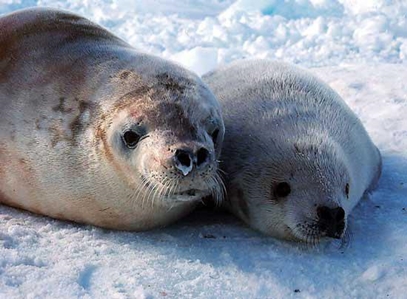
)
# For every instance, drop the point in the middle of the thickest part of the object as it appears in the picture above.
(131, 139)
(214, 136)
(347, 190)
(282, 189)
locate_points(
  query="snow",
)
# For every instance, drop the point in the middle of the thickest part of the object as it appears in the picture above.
(358, 47)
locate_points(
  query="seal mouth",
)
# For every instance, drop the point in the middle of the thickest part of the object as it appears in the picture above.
(188, 195)
(190, 192)
(167, 193)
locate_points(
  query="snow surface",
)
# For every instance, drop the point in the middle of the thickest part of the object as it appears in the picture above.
(358, 47)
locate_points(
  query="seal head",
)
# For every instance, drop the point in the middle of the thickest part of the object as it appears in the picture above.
(164, 137)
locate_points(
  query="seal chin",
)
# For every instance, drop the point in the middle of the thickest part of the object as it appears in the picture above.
(310, 235)
(307, 238)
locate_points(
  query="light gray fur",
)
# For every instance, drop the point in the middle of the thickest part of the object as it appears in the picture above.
(283, 124)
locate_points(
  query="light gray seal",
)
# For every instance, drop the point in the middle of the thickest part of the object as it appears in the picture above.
(96, 132)
(297, 159)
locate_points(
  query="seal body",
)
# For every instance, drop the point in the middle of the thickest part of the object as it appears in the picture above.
(297, 159)
(96, 132)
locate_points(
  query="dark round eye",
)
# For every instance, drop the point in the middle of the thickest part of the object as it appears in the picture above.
(131, 138)
(282, 189)
(347, 190)
(214, 136)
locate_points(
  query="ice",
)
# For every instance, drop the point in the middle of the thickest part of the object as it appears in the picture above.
(358, 47)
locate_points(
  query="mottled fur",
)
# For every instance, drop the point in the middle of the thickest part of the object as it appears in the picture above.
(284, 125)
(68, 90)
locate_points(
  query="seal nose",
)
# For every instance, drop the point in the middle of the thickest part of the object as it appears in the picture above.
(202, 157)
(185, 159)
(331, 220)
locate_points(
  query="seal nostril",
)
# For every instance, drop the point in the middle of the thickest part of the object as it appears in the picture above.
(183, 157)
(340, 214)
(202, 156)
(324, 213)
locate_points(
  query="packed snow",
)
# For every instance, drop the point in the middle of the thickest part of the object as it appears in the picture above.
(358, 47)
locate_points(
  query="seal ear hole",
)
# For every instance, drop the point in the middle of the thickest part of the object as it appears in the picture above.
(347, 190)
(131, 139)
(282, 189)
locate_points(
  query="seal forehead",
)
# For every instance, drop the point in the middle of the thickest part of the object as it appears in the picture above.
(166, 115)
(166, 100)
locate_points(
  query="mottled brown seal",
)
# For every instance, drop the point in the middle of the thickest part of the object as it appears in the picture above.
(96, 132)
(297, 158)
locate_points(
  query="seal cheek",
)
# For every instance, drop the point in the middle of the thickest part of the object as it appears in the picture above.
(244, 208)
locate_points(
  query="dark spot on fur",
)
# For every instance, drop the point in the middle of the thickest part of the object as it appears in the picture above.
(174, 114)
(169, 83)
(209, 236)
(297, 148)
(306, 148)
(124, 75)
(56, 133)
(77, 125)
(61, 106)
